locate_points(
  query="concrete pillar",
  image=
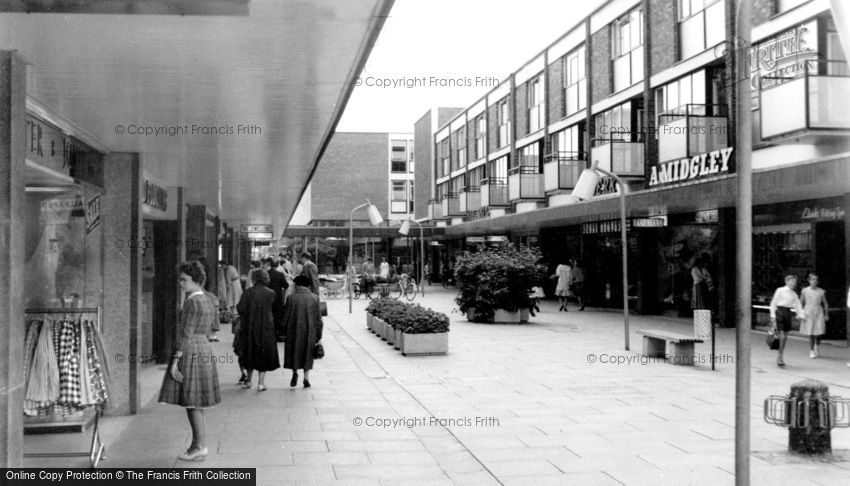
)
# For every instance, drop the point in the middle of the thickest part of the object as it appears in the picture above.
(842, 302)
(122, 276)
(12, 184)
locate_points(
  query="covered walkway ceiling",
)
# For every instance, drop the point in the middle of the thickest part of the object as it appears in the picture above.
(271, 77)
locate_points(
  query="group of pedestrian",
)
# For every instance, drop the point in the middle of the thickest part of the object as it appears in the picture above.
(810, 307)
(266, 311)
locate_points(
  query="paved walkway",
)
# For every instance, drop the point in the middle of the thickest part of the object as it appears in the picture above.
(542, 403)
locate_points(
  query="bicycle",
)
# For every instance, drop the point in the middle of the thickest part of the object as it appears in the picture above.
(404, 286)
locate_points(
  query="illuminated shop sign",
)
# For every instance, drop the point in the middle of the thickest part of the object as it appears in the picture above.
(710, 216)
(653, 222)
(256, 228)
(688, 169)
(823, 214)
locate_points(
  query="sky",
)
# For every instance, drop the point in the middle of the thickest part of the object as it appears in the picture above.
(450, 53)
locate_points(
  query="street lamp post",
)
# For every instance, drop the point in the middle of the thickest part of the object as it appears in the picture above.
(405, 229)
(375, 219)
(584, 190)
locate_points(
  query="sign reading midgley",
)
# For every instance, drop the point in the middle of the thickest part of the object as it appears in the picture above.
(696, 167)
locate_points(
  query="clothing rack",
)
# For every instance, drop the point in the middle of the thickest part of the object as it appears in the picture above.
(90, 416)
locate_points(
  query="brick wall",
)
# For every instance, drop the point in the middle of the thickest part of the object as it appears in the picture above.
(353, 168)
(664, 34)
(521, 121)
(600, 58)
(470, 140)
(423, 152)
(555, 97)
(493, 126)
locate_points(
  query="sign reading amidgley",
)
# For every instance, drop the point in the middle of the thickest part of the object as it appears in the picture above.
(696, 167)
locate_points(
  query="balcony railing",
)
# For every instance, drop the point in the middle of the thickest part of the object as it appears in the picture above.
(691, 130)
(435, 209)
(622, 157)
(494, 192)
(562, 170)
(807, 103)
(525, 182)
(451, 205)
(470, 199)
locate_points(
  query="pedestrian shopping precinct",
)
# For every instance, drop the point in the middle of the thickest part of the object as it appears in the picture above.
(245, 242)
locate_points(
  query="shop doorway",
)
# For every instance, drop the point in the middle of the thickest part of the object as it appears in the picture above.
(830, 265)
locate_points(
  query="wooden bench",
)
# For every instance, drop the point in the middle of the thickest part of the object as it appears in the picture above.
(655, 345)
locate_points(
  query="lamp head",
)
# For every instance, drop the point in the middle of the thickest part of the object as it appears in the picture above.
(374, 215)
(586, 185)
(405, 227)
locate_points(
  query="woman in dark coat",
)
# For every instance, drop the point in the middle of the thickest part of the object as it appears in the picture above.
(259, 346)
(303, 322)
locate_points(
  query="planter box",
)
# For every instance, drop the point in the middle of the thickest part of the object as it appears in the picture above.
(505, 317)
(424, 344)
(381, 328)
(389, 334)
(398, 338)
(369, 322)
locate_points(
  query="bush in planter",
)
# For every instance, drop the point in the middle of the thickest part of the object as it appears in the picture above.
(497, 278)
(409, 318)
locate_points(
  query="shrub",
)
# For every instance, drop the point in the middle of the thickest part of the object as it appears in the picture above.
(409, 318)
(497, 278)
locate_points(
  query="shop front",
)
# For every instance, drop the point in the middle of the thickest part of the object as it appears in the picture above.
(800, 238)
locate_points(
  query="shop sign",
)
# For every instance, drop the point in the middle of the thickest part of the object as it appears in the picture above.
(783, 57)
(696, 167)
(476, 239)
(497, 239)
(823, 214)
(606, 185)
(47, 146)
(155, 196)
(256, 236)
(62, 204)
(256, 228)
(601, 227)
(653, 222)
(710, 216)
(92, 213)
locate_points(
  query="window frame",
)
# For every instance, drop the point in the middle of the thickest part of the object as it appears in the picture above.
(579, 55)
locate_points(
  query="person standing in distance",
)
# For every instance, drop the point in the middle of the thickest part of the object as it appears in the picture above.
(310, 270)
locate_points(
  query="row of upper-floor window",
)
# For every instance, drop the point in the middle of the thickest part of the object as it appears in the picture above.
(701, 25)
(401, 196)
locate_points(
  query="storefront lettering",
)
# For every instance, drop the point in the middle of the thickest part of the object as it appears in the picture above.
(698, 166)
(155, 196)
(823, 214)
(92, 213)
(710, 216)
(62, 204)
(606, 185)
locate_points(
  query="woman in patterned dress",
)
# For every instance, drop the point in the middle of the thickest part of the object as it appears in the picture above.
(192, 380)
(814, 303)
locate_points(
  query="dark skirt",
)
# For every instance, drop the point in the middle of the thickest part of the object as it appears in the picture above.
(783, 319)
(200, 388)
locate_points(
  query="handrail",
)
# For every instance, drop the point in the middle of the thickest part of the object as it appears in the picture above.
(524, 169)
(472, 189)
(494, 181)
(563, 155)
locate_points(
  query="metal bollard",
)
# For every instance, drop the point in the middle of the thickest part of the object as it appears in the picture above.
(810, 414)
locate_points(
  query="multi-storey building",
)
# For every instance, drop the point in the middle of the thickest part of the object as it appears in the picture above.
(646, 89)
(355, 167)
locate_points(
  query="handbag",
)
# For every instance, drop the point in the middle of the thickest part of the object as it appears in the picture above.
(772, 339)
(323, 308)
(318, 351)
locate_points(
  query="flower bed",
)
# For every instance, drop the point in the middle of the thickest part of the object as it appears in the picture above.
(412, 328)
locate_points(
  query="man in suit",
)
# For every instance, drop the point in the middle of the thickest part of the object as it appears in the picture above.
(310, 270)
(278, 283)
